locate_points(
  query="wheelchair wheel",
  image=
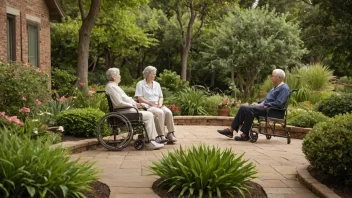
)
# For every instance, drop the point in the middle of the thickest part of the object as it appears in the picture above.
(268, 137)
(139, 144)
(114, 131)
(253, 137)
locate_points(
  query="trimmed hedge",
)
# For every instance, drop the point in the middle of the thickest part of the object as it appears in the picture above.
(328, 147)
(335, 104)
(307, 119)
(80, 122)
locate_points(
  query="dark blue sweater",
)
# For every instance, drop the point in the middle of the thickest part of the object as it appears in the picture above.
(277, 96)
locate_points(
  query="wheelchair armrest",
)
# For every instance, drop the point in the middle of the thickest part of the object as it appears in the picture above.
(130, 115)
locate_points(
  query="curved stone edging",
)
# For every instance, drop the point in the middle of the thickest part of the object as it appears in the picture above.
(79, 146)
(295, 132)
(314, 185)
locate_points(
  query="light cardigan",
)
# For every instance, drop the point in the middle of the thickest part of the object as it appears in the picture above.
(118, 97)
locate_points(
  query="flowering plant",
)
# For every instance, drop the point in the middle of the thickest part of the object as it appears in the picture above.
(174, 109)
(227, 103)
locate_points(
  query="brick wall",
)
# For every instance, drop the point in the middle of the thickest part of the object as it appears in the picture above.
(34, 11)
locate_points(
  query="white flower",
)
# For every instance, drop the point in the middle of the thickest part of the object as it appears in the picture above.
(35, 131)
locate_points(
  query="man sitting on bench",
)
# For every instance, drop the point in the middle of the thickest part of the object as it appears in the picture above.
(275, 98)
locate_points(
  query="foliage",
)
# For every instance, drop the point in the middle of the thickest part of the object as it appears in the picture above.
(328, 147)
(51, 108)
(254, 41)
(93, 100)
(129, 90)
(335, 104)
(30, 168)
(204, 170)
(172, 81)
(22, 86)
(315, 76)
(307, 119)
(345, 80)
(80, 122)
(174, 109)
(62, 82)
(191, 102)
(211, 104)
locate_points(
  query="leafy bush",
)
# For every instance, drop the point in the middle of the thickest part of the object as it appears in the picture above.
(63, 83)
(328, 147)
(172, 81)
(335, 104)
(345, 80)
(211, 104)
(307, 119)
(191, 102)
(316, 76)
(51, 108)
(203, 170)
(80, 122)
(21, 86)
(30, 168)
(93, 100)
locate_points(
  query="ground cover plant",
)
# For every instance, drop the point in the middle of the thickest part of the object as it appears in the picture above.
(204, 171)
(30, 168)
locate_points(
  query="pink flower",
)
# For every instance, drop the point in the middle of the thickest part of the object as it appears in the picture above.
(81, 84)
(38, 70)
(24, 98)
(62, 99)
(38, 102)
(90, 93)
(25, 64)
(18, 122)
(24, 110)
(94, 89)
(2, 114)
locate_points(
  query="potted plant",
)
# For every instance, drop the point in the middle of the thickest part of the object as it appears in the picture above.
(224, 108)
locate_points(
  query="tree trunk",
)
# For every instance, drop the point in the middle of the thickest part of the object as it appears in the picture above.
(84, 41)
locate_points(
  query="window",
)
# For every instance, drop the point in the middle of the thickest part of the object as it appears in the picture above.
(33, 44)
(11, 38)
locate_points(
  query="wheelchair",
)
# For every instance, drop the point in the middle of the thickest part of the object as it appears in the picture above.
(115, 130)
(273, 116)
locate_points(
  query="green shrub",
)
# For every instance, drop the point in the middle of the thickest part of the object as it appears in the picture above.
(51, 108)
(203, 170)
(307, 119)
(93, 100)
(129, 90)
(21, 86)
(211, 104)
(335, 104)
(172, 81)
(62, 82)
(345, 80)
(191, 102)
(30, 168)
(80, 122)
(328, 147)
(316, 76)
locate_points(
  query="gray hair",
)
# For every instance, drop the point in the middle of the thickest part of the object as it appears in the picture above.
(280, 73)
(148, 70)
(111, 73)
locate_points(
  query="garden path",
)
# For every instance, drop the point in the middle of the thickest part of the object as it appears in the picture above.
(127, 176)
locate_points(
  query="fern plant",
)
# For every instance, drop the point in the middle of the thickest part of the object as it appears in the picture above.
(204, 170)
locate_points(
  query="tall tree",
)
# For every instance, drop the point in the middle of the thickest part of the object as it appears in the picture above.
(88, 22)
(253, 41)
(187, 13)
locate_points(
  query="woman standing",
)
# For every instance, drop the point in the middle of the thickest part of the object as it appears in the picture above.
(119, 99)
(150, 95)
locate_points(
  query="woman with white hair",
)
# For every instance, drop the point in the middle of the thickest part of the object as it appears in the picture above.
(150, 95)
(119, 99)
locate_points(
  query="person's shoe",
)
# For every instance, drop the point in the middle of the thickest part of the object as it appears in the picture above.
(242, 138)
(171, 137)
(226, 132)
(161, 139)
(152, 145)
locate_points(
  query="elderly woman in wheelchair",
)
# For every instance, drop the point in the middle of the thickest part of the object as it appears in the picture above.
(116, 129)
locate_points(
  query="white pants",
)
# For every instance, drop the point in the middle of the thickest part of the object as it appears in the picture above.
(148, 119)
(162, 116)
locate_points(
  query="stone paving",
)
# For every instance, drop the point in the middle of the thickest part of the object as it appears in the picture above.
(127, 176)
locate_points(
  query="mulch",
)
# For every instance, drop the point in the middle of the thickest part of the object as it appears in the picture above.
(99, 190)
(255, 191)
(333, 183)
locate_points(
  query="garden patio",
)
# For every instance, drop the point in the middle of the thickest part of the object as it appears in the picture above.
(277, 162)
